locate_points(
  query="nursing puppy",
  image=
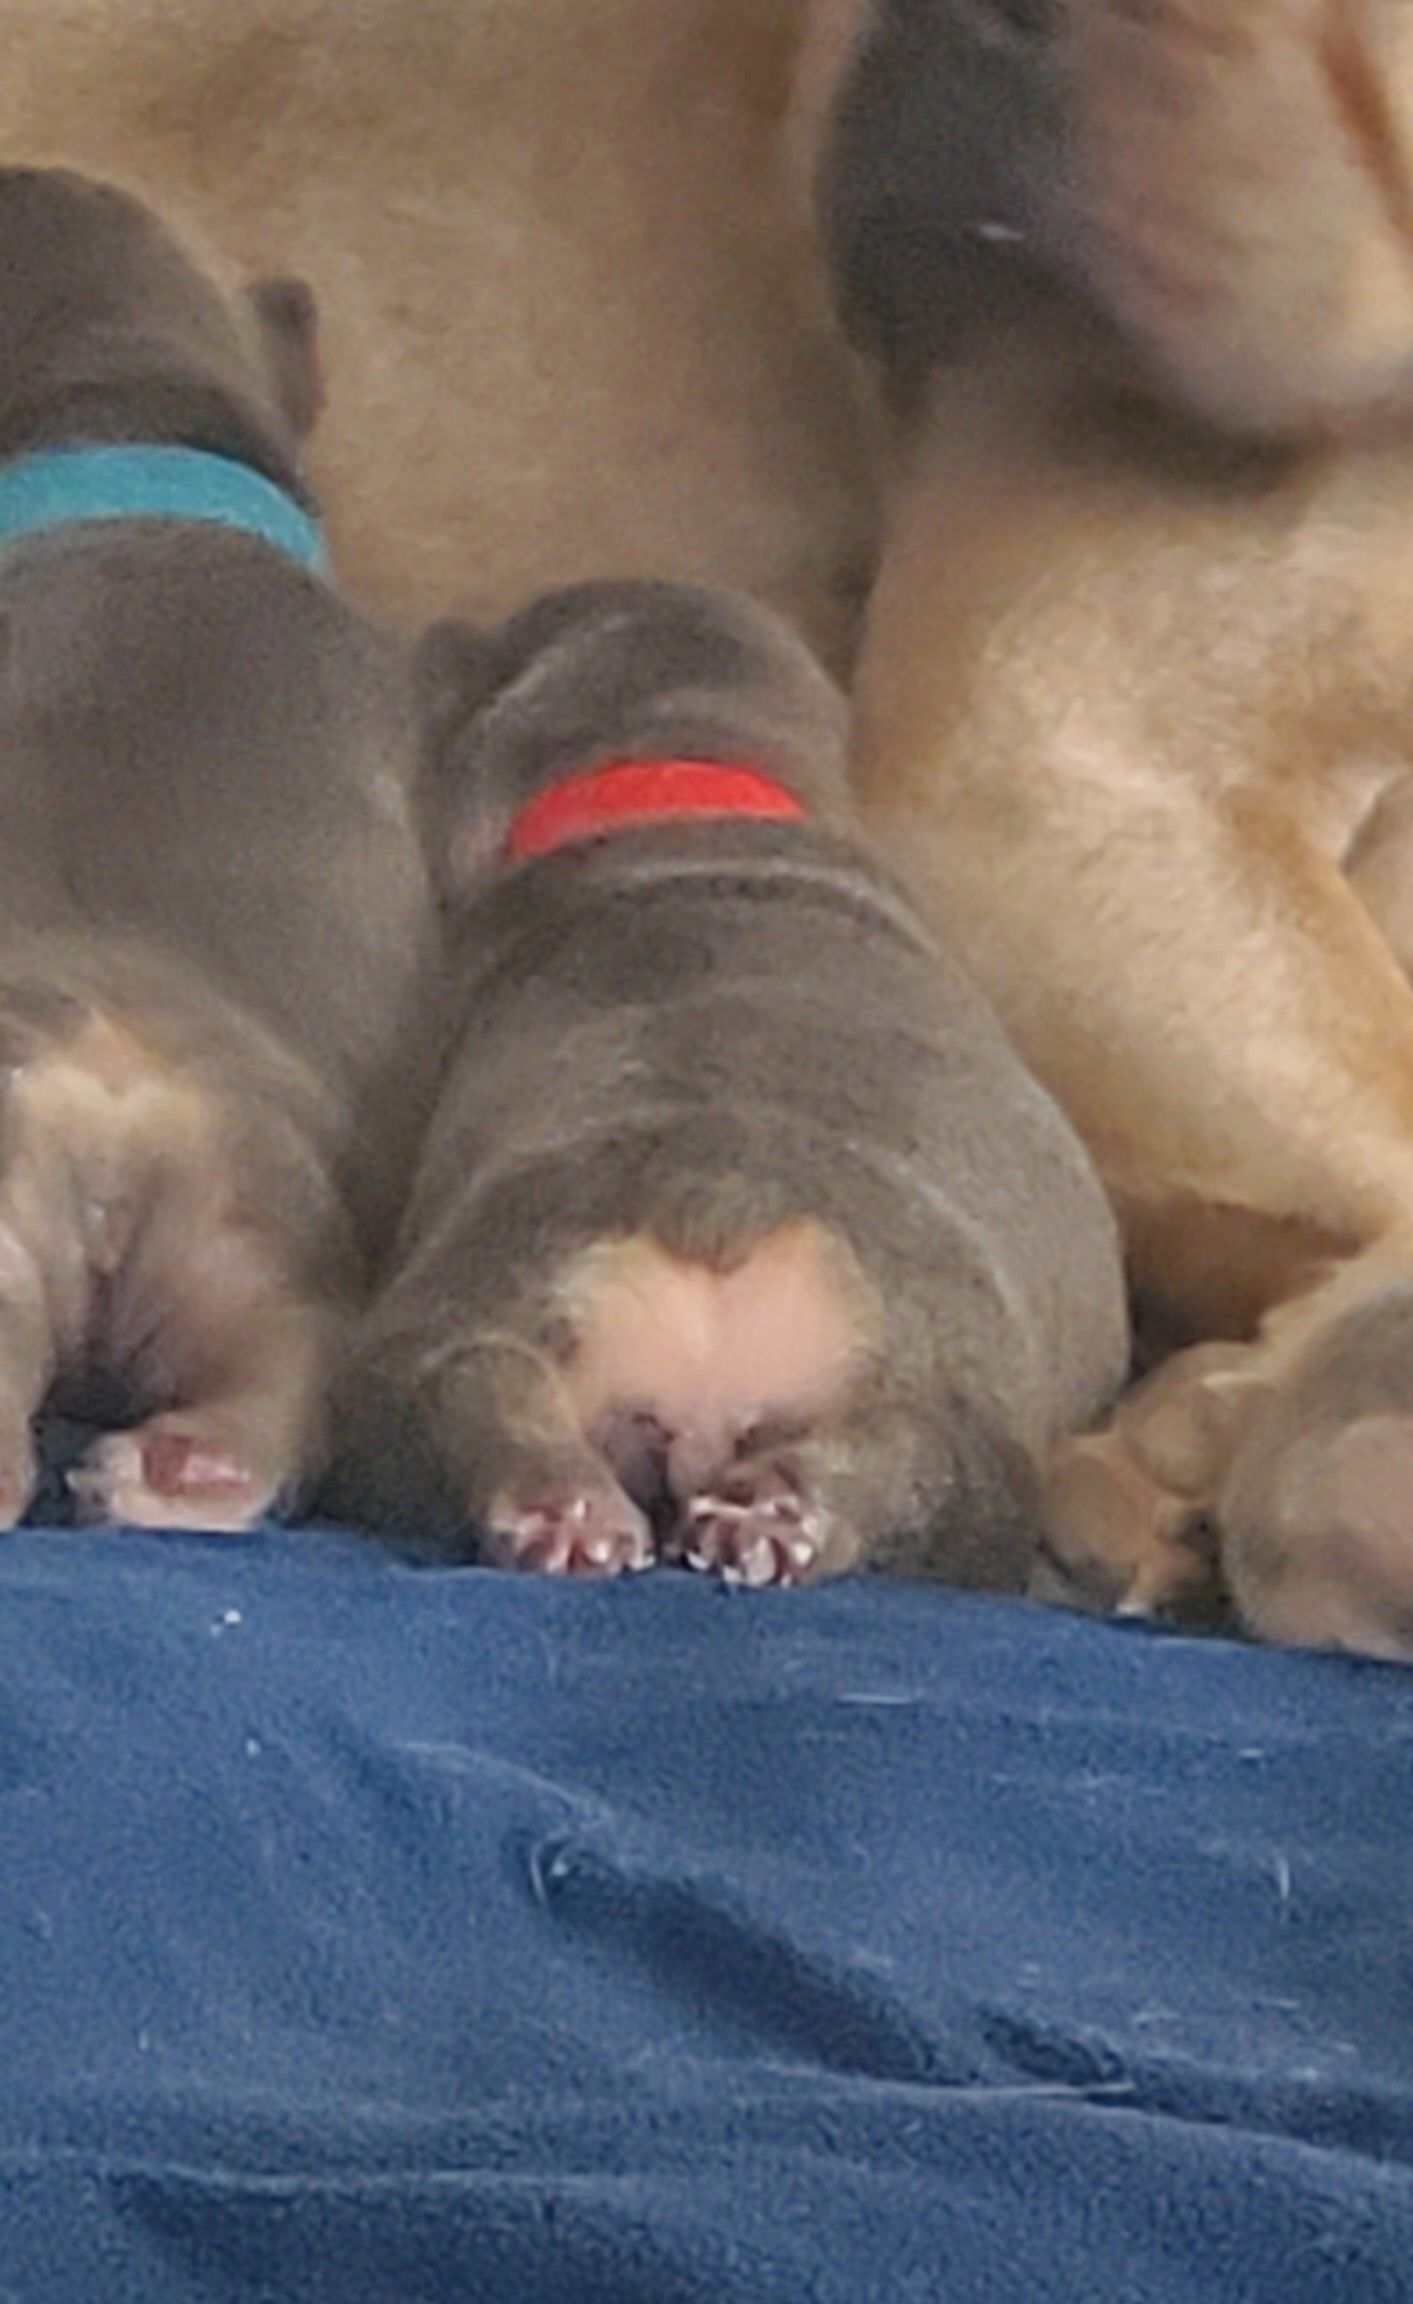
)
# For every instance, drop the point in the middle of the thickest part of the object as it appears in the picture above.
(211, 896)
(741, 1237)
(1135, 699)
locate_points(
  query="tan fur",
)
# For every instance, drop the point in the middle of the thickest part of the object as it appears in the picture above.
(1126, 738)
(91, 1124)
(1136, 711)
(1247, 196)
(1151, 727)
(552, 249)
(833, 30)
(1235, 194)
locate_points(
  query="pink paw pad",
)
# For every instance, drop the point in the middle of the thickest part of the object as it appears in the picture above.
(580, 1535)
(754, 1530)
(176, 1464)
(156, 1477)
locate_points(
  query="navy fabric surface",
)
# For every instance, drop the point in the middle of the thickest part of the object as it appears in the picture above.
(371, 1932)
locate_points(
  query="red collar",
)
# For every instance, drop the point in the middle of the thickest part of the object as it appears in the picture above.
(622, 792)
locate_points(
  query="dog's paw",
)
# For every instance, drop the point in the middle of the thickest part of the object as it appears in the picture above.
(1127, 1512)
(1316, 1513)
(1317, 1536)
(574, 1533)
(753, 1527)
(1115, 1539)
(168, 1474)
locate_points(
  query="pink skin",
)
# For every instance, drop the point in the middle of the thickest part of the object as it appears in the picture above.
(649, 1438)
(576, 1534)
(161, 1475)
(753, 1528)
(750, 1527)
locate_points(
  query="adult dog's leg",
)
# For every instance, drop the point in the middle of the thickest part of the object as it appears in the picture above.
(1045, 743)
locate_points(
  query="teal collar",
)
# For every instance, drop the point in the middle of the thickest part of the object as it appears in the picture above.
(58, 487)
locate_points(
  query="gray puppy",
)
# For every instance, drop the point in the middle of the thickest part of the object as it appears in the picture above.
(212, 896)
(741, 1237)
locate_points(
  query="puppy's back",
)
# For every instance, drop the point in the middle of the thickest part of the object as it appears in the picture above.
(200, 745)
(740, 1231)
(700, 1036)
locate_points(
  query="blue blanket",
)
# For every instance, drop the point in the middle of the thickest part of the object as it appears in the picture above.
(374, 1932)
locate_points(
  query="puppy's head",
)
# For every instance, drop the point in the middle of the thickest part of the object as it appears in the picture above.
(614, 671)
(1221, 189)
(109, 331)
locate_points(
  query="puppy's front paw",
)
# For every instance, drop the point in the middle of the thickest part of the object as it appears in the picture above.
(168, 1474)
(754, 1527)
(570, 1533)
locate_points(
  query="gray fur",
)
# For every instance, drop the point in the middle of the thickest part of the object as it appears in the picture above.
(698, 1031)
(205, 828)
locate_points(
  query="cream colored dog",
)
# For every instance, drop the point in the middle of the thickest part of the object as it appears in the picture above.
(1136, 698)
(573, 324)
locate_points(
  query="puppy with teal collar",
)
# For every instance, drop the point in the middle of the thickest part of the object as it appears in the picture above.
(213, 908)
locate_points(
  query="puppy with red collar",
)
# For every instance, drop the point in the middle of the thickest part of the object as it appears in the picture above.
(741, 1237)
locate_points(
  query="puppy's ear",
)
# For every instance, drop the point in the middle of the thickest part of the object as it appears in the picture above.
(287, 322)
(454, 672)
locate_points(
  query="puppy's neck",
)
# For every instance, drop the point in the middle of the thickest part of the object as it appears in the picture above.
(104, 411)
(618, 795)
(77, 486)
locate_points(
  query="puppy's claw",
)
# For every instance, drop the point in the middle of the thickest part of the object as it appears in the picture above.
(758, 1532)
(574, 1535)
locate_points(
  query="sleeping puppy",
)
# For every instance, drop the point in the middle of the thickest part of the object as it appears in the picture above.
(1135, 697)
(741, 1238)
(212, 898)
